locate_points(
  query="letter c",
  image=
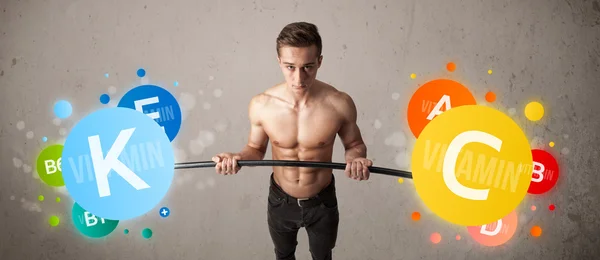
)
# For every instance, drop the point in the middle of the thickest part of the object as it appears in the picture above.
(451, 156)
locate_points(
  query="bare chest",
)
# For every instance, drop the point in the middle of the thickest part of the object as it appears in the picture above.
(307, 129)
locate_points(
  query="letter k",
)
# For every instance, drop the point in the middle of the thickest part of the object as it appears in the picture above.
(102, 165)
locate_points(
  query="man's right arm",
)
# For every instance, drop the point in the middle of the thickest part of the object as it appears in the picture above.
(258, 139)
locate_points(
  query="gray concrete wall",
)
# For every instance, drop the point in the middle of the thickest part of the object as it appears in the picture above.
(222, 53)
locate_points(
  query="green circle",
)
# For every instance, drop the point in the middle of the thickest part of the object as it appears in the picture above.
(147, 233)
(48, 165)
(54, 221)
(90, 225)
(57, 199)
(41, 198)
(126, 231)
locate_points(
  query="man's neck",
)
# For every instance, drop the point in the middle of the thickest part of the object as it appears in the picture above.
(300, 99)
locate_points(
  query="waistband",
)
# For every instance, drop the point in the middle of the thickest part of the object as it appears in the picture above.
(302, 201)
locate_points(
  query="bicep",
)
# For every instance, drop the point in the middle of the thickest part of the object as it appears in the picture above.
(257, 138)
(349, 132)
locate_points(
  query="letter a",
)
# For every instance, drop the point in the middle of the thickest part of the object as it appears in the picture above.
(436, 110)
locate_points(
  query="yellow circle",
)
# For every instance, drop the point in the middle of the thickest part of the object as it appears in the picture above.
(400, 180)
(490, 72)
(413, 76)
(480, 180)
(551, 144)
(534, 111)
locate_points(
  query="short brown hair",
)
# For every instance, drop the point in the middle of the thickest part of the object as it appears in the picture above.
(300, 34)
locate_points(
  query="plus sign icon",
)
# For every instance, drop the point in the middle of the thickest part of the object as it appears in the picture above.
(164, 212)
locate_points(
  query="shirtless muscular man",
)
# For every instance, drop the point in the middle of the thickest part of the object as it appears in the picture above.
(301, 117)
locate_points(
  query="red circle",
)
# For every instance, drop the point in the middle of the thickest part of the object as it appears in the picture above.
(546, 162)
(551, 207)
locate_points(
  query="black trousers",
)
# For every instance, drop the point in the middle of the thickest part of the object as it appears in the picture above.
(319, 215)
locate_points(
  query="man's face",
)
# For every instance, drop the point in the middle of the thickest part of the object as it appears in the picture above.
(299, 66)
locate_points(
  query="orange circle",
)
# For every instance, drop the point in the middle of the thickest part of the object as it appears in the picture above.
(425, 99)
(533, 208)
(536, 231)
(435, 238)
(457, 237)
(450, 66)
(416, 216)
(490, 97)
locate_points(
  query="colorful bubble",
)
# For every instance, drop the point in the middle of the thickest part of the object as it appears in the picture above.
(545, 172)
(457, 237)
(415, 216)
(495, 233)
(551, 144)
(490, 72)
(536, 231)
(551, 207)
(44, 139)
(63, 109)
(126, 231)
(48, 165)
(437, 161)
(90, 225)
(141, 73)
(435, 238)
(400, 180)
(147, 233)
(57, 199)
(54, 221)
(104, 98)
(413, 76)
(533, 208)
(106, 75)
(41, 198)
(433, 99)
(534, 111)
(176, 84)
(451, 66)
(490, 96)
(164, 212)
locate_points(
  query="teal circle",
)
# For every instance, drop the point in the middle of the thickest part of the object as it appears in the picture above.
(90, 225)
(126, 231)
(147, 233)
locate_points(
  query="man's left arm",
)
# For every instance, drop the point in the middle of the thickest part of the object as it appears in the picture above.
(355, 149)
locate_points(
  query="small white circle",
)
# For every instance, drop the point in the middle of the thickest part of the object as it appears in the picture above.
(56, 121)
(377, 124)
(29, 135)
(395, 96)
(218, 92)
(112, 90)
(211, 78)
(62, 131)
(20, 125)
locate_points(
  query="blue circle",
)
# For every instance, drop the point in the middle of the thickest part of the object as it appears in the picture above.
(44, 139)
(164, 212)
(143, 157)
(63, 109)
(176, 84)
(104, 98)
(158, 103)
(106, 75)
(141, 73)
